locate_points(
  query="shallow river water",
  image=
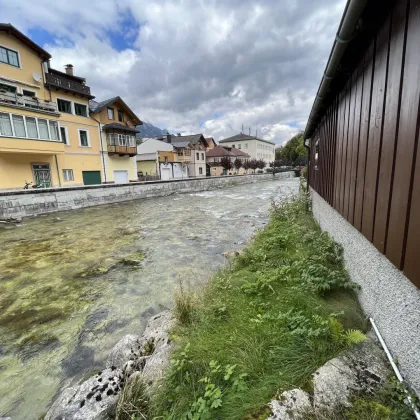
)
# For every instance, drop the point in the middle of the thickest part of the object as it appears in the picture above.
(71, 288)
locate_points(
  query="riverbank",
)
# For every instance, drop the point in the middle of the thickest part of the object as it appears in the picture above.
(24, 203)
(263, 326)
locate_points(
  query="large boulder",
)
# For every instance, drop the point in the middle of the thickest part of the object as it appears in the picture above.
(96, 398)
(361, 369)
(289, 405)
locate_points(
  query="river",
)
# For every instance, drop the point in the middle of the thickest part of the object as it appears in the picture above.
(73, 283)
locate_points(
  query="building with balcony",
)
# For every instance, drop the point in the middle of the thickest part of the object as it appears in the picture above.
(46, 134)
(117, 126)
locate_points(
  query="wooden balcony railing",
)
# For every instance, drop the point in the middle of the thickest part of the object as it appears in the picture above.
(60, 82)
(122, 150)
(27, 102)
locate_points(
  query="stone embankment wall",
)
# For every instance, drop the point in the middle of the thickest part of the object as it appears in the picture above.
(25, 203)
(386, 294)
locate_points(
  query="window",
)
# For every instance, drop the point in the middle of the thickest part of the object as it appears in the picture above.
(5, 125)
(84, 138)
(64, 136)
(54, 130)
(233, 145)
(202, 156)
(7, 88)
(120, 115)
(9, 57)
(246, 145)
(80, 109)
(239, 146)
(200, 171)
(64, 106)
(110, 113)
(68, 175)
(216, 160)
(43, 129)
(198, 156)
(31, 127)
(29, 93)
(19, 126)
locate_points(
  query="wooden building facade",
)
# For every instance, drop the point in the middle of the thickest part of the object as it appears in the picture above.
(364, 137)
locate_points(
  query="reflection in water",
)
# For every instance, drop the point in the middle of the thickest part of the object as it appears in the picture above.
(70, 288)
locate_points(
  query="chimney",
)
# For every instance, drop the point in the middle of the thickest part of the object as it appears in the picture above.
(179, 134)
(69, 69)
(168, 138)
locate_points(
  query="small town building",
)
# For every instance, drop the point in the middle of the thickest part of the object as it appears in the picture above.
(117, 125)
(215, 155)
(255, 147)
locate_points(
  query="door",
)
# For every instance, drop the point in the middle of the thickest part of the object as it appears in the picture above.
(121, 177)
(165, 174)
(91, 177)
(42, 174)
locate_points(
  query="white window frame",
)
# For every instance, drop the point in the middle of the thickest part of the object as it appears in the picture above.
(29, 90)
(88, 137)
(108, 108)
(67, 134)
(18, 54)
(3, 82)
(24, 124)
(64, 175)
(37, 128)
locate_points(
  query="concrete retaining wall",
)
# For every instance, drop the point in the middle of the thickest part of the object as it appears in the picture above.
(24, 203)
(386, 294)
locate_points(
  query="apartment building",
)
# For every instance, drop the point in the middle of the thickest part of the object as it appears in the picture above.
(254, 146)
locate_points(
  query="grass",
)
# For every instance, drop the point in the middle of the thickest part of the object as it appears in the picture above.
(262, 326)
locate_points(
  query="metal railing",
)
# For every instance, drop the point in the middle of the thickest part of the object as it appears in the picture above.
(67, 84)
(27, 102)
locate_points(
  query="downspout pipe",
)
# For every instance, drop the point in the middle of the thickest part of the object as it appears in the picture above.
(345, 34)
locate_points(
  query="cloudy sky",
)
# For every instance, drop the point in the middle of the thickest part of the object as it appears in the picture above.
(192, 65)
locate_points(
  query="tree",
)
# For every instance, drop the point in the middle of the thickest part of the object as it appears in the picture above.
(245, 165)
(261, 164)
(226, 163)
(237, 163)
(253, 164)
(292, 149)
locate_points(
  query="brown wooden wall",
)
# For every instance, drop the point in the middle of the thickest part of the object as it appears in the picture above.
(368, 165)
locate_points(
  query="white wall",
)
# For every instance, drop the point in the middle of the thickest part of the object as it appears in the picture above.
(256, 149)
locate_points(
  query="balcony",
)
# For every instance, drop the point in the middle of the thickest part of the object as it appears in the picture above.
(15, 100)
(63, 83)
(30, 146)
(121, 144)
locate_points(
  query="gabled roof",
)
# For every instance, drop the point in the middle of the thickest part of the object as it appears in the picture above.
(96, 107)
(211, 140)
(181, 143)
(244, 137)
(122, 127)
(11, 30)
(218, 151)
(193, 139)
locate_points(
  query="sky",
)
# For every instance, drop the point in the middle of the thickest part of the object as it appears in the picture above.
(192, 66)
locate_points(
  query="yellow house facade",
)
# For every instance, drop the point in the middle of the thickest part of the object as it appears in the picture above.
(47, 136)
(117, 125)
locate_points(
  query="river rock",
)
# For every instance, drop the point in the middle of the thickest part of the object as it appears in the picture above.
(289, 405)
(94, 399)
(361, 369)
(230, 254)
(123, 351)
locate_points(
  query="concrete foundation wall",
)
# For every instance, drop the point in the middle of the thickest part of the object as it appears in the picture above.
(33, 202)
(386, 294)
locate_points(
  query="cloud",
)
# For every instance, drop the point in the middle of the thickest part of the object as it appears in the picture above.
(194, 65)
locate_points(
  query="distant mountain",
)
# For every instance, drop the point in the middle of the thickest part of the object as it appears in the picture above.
(149, 130)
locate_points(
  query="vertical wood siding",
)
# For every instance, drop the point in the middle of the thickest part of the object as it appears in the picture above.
(368, 165)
